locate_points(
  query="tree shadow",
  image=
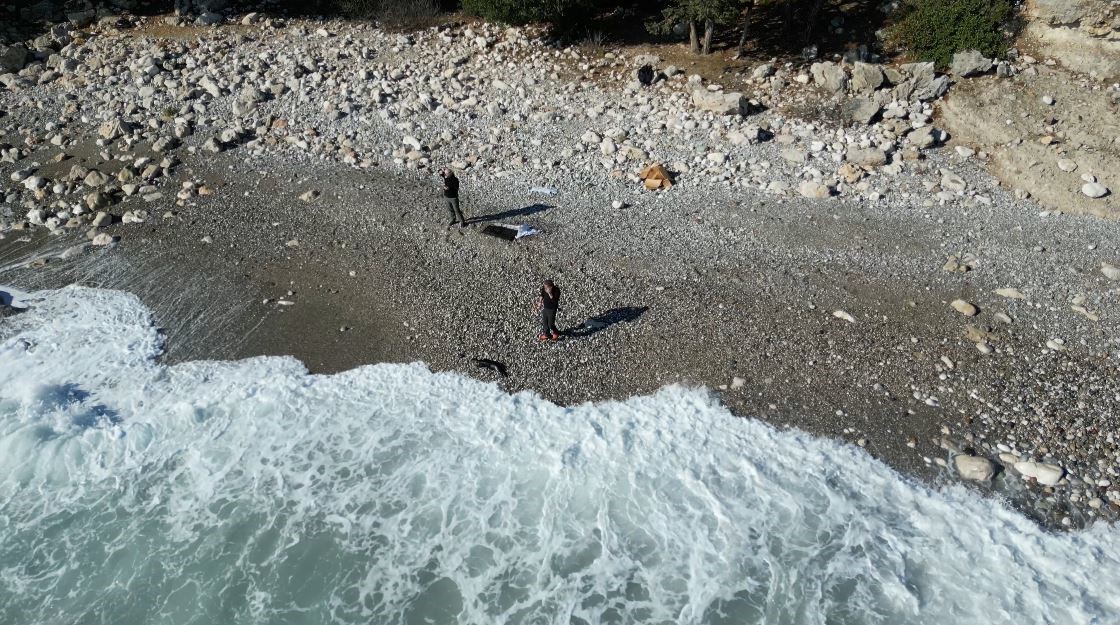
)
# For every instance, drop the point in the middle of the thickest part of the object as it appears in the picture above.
(511, 214)
(594, 325)
(782, 29)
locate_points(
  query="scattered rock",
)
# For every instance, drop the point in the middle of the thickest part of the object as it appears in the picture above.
(1110, 271)
(1010, 293)
(103, 238)
(813, 189)
(867, 157)
(964, 308)
(719, 102)
(926, 137)
(952, 182)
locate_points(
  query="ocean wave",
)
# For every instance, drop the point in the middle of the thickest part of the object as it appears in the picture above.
(254, 492)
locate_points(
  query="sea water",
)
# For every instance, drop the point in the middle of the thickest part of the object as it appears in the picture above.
(252, 492)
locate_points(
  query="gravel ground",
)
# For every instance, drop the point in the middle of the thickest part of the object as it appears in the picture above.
(830, 315)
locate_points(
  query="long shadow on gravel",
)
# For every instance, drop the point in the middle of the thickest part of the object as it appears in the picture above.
(601, 322)
(511, 214)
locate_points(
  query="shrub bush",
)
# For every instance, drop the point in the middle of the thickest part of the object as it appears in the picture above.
(933, 30)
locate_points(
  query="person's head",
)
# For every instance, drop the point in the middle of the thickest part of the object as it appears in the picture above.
(549, 285)
(443, 172)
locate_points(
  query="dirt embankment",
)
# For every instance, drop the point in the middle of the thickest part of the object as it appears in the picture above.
(1045, 134)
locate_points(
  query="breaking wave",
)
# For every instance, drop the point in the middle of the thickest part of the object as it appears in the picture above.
(252, 492)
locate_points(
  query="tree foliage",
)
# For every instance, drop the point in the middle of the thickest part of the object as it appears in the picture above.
(710, 13)
(716, 11)
(525, 11)
(933, 30)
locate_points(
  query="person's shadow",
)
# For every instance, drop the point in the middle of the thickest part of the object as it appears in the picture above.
(511, 214)
(601, 322)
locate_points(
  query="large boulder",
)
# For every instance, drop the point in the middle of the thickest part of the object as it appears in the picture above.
(860, 110)
(12, 58)
(829, 76)
(970, 63)
(923, 82)
(733, 103)
(866, 77)
(81, 18)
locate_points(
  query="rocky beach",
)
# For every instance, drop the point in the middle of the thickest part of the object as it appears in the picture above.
(923, 264)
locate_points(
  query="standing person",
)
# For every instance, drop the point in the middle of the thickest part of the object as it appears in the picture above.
(548, 303)
(451, 196)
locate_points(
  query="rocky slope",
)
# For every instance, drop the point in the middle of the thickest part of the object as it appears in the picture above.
(1083, 34)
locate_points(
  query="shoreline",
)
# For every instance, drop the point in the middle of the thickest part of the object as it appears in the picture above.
(797, 367)
(832, 315)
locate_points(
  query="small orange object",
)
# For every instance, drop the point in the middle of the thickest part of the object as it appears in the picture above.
(656, 177)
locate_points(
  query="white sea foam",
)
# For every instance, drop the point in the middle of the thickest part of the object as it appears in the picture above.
(252, 492)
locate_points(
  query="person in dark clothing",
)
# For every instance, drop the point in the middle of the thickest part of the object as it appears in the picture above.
(451, 196)
(548, 303)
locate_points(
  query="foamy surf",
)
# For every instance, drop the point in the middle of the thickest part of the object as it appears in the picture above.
(252, 492)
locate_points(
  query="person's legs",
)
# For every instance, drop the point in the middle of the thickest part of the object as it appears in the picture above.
(548, 321)
(452, 209)
(553, 330)
(456, 212)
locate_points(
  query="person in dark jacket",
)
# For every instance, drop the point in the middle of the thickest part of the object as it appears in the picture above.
(548, 303)
(451, 196)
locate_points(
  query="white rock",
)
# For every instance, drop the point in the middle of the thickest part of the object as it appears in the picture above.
(952, 182)
(1094, 189)
(34, 182)
(974, 467)
(1110, 271)
(813, 189)
(1043, 473)
(717, 158)
(964, 308)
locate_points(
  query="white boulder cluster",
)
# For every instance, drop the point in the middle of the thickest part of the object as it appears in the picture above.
(483, 98)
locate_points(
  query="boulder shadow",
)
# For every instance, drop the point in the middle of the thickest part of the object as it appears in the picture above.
(614, 316)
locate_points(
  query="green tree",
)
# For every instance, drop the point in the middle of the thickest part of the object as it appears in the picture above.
(710, 13)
